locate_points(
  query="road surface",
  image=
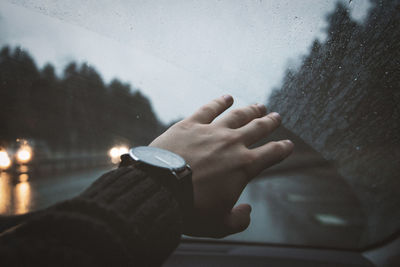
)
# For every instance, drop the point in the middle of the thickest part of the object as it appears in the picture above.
(313, 208)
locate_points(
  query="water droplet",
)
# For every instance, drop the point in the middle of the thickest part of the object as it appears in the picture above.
(340, 67)
(355, 78)
(386, 72)
(358, 148)
(137, 117)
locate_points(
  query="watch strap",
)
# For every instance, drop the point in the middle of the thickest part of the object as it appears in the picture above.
(180, 184)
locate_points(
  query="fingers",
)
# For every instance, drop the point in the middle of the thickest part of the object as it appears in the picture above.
(267, 155)
(238, 219)
(241, 116)
(259, 128)
(210, 111)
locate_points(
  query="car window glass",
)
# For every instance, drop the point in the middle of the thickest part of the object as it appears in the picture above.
(80, 83)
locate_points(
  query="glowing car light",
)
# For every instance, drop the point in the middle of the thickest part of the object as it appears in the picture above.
(5, 161)
(116, 152)
(122, 150)
(24, 154)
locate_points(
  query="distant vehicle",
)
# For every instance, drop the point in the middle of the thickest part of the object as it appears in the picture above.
(5, 161)
(116, 151)
(18, 155)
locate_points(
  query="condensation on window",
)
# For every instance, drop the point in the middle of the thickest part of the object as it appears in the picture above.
(81, 82)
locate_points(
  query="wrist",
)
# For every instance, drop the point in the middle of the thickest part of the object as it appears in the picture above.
(167, 169)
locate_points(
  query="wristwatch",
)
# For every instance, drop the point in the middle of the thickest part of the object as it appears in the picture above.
(167, 168)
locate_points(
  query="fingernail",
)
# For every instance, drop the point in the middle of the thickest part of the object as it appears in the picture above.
(227, 98)
(289, 142)
(262, 108)
(276, 116)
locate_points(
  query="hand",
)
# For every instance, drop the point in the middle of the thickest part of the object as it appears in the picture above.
(222, 163)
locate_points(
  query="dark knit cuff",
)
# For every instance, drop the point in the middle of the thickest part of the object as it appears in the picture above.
(149, 207)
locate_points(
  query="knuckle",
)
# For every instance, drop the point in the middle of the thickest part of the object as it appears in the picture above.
(248, 159)
(218, 102)
(255, 110)
(248, 164)
(183, 124)
(208, 109)
(260, 123)
(230, 137)
(239, 114)
(233, 137)
(278, 148)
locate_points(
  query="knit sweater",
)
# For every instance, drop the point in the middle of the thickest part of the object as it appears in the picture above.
(125, 218)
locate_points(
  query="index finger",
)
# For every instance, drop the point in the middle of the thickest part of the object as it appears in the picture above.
(207, 113)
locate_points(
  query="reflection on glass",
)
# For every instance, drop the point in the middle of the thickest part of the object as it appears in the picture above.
(330, 219)
(5, 192)
(23, 169)
(22, 195)
(23, 178)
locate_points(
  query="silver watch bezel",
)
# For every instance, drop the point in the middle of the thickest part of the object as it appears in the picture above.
(157, 153)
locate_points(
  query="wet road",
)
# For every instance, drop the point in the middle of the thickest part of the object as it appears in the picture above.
(313, 207)
(25, 192)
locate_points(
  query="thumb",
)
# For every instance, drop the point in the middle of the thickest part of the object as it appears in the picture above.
(238, 219)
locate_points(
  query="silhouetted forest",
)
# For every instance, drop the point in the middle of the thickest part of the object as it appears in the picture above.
(73, 112)
(344, 101)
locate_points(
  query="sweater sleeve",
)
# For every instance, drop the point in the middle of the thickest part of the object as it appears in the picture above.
(125, 218)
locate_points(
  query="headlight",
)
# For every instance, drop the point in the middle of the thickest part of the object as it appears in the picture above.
(116, 152)
(5, 161)
(123, 150)
(24, 154)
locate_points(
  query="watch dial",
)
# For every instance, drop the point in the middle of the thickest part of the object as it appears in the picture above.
(158, 157)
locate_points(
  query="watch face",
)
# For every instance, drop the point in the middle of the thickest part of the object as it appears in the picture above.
(158, 157)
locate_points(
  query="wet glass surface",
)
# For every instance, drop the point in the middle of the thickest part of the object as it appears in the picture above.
(80, 83)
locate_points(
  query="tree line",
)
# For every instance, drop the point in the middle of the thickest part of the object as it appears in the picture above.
(77, 110)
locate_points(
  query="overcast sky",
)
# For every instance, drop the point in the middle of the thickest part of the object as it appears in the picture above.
(180, 53)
